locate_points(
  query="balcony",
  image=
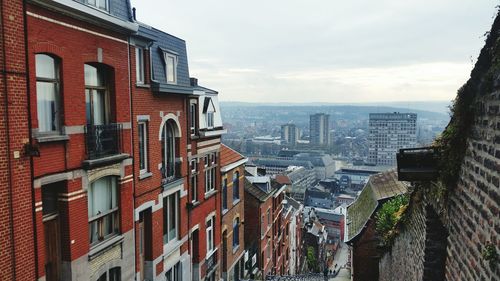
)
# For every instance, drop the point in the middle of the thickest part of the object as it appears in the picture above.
(211, 262)
(418, 164)
(171, 174)
(103, 145)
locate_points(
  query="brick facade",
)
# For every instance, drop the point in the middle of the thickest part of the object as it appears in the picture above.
(444, 238)
(17, 236)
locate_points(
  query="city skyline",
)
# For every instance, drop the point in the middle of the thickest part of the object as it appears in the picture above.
(394, 52)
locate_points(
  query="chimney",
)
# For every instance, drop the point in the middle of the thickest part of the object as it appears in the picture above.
(194, 81)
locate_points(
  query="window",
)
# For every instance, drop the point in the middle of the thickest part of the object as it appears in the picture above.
(168, 151)
(268, 218)
(210, 119)
(224, 194)
(268, 250)
(115, 274)
(236, 233)
(103, 209)
(47, 93)
(262, 228)
(175, 273)
(96, 95)
(139, 65)
(236, 186)
(210, 166)
(171, 68)
(192, 117)
(210, 235)
(194, 180)
(170, 217)
(100, 4)
(143, 146)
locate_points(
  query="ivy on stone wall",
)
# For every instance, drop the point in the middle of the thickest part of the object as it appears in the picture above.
(388, 216)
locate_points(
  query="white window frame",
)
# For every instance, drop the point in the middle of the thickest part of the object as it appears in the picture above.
(174, 273)
(210, 235)
(193, 110)
(194, 179)
(210, 120)
(95, 4)
(139, 65)
(144, 151)
(166, 209)
(210, 168)
(175, 59)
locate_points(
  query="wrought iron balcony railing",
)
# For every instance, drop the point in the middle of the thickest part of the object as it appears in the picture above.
(171, 172)
(103, 140)
(211, 262)
(418, 164)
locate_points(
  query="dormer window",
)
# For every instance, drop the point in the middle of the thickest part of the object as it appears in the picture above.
(209, 110)
(99, 4)
(171, 67)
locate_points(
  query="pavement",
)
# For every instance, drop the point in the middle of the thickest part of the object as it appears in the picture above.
(341, 259)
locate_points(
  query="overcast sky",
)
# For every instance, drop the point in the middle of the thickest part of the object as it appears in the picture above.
(327, 50)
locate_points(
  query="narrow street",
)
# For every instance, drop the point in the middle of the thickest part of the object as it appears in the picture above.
(340, 261)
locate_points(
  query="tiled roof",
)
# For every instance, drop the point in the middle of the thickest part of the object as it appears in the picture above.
(229, 156)
(282, 179)
(379, 187)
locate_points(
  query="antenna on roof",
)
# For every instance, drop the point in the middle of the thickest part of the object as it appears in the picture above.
(133, 13)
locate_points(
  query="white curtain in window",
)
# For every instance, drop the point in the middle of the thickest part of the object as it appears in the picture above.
(99, 107)
(102, 197)
(46, 106)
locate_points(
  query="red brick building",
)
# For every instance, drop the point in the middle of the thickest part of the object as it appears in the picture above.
(80, 126)
(265, 226)
(204, 185)
(17, 235)
(160, 91)
(233, 214)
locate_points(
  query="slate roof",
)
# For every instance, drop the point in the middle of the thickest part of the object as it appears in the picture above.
(379, 187)
(118, 8)
(229, 156)
(162, 42)
(282, 163)
(256, 186)
(256, 192)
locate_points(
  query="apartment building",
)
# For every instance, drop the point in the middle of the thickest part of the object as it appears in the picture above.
(161, 89)
(390, 132)
(79, 102)
(289, 134)
(264, 226)
(234, 254)
(319, 129)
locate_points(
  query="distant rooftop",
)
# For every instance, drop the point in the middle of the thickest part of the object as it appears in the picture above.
(379, 187)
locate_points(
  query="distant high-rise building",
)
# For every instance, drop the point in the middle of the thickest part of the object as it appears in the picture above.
(289, 134)
(319, 128)
(390, 132)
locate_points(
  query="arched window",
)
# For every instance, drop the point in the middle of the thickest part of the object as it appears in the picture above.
(96, 94)
(47, 93)
(236, 186)
(168, 150)
(236, 232)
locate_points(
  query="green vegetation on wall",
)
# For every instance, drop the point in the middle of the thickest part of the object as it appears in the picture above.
(389, 215)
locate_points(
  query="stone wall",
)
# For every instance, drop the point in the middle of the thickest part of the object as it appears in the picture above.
(449, 225)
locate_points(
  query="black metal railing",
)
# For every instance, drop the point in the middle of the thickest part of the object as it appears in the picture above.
(171, 172)
(211, 262)
(418, 164)
(103, 140)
